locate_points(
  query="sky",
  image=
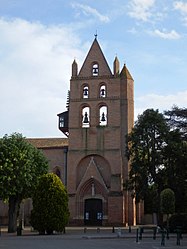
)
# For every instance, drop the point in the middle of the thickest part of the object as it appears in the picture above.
(39, 39)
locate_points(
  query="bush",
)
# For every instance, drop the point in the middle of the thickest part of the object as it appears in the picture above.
(50, 205)
(178, 220)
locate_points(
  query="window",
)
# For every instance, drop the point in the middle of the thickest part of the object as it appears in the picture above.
(85, 92)
(86, 117)
(95, 69)
(103, 116)
(103, 91)
(58, 173)
(61, 121)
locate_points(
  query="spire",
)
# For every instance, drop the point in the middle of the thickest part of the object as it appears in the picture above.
(74, 68)
(125, 73)
(116, 66)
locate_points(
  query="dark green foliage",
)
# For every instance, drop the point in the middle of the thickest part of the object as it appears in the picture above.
(144, 150)
(50, 205)
(167, 201)
(20, 166)
(157, 152)
(151, 200)
(178, 221)
(177, 119)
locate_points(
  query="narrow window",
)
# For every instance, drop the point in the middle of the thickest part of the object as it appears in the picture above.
(85, 92)
(95, 69)
(103, 91)
(86, 117)
(61, 121)
(103, 116)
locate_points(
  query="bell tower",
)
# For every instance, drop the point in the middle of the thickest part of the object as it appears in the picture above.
(100, 114)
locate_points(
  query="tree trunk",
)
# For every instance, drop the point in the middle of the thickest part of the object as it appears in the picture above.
(13, 212)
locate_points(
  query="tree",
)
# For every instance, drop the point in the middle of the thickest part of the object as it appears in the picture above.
(50, 205)
(177, 120)
(176, 155)
(175, 162)
(144, 150)
(167, 202)
(157, 151)
(20, 166)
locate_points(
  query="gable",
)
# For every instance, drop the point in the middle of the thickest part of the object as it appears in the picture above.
(95, 56)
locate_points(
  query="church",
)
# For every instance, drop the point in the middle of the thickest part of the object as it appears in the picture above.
(99, 115)
(91, 160)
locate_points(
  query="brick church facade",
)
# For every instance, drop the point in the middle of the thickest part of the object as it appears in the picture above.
(91, 161)
(99, 116)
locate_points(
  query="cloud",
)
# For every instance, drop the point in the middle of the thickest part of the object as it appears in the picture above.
(172, 35)
(141, 9)
(182, 7)
(87, 11)
(35, 69)
(161, 102)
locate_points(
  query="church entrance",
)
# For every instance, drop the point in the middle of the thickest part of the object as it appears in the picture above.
(93, 212)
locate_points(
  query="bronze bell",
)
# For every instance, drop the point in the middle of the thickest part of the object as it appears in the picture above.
(103, 117)
(102, 92)
(85, 91)
(85, 120)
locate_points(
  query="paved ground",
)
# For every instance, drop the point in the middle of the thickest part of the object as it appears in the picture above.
(78, 238)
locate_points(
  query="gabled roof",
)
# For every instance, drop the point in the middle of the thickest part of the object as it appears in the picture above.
(95, 55)
(92, 171)
(42, 143)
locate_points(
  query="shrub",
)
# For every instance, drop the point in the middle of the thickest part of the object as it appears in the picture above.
(178, 220)
(50, 205)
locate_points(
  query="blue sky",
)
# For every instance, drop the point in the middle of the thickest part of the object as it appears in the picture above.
(39, 40)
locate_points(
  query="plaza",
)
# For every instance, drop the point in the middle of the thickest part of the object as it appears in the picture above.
(84, 238)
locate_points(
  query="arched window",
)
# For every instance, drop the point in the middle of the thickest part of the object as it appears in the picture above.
(86, 117)
(57, 172)
(95, 69)
(103, 115)
(102, 93)
(85, 92)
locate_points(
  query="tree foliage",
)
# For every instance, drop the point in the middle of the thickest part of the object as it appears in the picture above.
(157, 151)
(144, 146)
(50, 205)
(167, 201)
(20, 166)
(177, 119)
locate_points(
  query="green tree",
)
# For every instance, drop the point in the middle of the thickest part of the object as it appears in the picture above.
(50, 205)
(177, 120)
(175, 162)
(144, 150)
(20, 166)
(176, 155)
(167, 202)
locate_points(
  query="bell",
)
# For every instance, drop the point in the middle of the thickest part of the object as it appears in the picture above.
(102, 92)
(85, 91)
(95, 71)
(103, 119)
(85, 120)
